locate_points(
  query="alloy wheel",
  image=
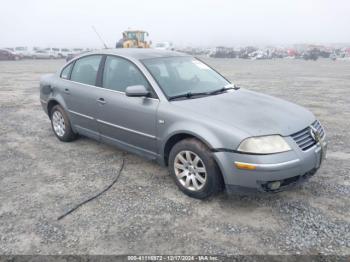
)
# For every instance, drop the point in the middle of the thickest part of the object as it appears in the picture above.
(58, 123)
(190, 170)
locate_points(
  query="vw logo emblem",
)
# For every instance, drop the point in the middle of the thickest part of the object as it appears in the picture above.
(315, 134)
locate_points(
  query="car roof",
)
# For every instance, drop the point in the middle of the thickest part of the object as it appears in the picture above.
(138, 53)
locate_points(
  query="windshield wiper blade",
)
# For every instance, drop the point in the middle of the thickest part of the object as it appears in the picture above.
(190, 94)
(187, 95)
(221, 90)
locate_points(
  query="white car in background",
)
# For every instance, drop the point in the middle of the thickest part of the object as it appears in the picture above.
(164, 46)
(63, 52)
(75, 52)
(27, 52)
(53, 51)
(23, 51)
(44, 54)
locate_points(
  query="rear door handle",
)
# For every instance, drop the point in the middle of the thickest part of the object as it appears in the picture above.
(101, 101)
(66, 90)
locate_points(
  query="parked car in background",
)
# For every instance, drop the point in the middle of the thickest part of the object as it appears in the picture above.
(164, 46)
(10, 49)
(23, 51)
(70, 56)
(63, 52)
(53, 51)
(175, 109)
(74, 52)
(43, 54)
(77, 50)
(223, 52)
(6, 54)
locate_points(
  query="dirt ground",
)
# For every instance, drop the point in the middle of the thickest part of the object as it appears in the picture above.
(144, 213)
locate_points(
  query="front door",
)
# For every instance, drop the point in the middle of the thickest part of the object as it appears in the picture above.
(129, 122)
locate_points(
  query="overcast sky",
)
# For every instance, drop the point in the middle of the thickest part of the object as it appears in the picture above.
(183, 22)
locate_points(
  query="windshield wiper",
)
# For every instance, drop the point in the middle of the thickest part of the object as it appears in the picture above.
(188, 95)
(221, 90)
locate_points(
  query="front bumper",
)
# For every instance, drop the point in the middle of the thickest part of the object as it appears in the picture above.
(288, 168)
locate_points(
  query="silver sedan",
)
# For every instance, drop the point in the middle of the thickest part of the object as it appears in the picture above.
(177, 110)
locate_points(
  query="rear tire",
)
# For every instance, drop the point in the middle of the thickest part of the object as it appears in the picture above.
(194, 169)
(61, 125)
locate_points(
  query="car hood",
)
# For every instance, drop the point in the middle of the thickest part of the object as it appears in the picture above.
(254, 113)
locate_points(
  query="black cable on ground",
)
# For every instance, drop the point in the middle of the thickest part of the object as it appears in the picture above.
(95, 196)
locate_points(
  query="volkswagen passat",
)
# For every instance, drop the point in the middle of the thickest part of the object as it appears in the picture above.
(175, 109)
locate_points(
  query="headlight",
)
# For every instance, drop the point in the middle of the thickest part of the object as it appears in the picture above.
(264, 145)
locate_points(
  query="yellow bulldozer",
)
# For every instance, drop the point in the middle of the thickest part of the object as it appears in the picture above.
(133, 39)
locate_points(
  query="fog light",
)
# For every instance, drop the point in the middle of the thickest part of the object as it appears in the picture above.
(274, 185)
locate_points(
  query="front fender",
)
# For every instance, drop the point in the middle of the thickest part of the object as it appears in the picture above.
(205, 135)
(174, 120)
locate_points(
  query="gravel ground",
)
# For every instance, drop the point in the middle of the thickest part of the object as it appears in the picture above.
(144, 212)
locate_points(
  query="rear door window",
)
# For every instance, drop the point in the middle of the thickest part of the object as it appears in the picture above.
(85, 69)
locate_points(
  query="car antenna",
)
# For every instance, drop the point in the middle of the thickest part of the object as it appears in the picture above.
(99, 36)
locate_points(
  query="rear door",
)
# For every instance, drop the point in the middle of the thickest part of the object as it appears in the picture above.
(80, 93)
(128, 122)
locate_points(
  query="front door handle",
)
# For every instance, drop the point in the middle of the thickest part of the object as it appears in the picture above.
(101, 100)
(66, 90)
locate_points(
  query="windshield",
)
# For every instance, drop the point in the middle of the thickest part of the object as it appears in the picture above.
(181, 75)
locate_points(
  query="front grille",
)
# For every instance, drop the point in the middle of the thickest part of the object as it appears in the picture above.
(304, 139)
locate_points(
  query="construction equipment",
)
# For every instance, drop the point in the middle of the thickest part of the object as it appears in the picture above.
(133, 39)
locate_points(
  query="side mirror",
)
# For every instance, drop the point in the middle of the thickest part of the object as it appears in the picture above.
(137, 91)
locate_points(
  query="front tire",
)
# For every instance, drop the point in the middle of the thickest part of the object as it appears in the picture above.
(61, 125)
(194, 169)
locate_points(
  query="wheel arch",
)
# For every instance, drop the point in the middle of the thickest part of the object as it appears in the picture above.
(50, 105)
(55, 101)
(177, 137)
